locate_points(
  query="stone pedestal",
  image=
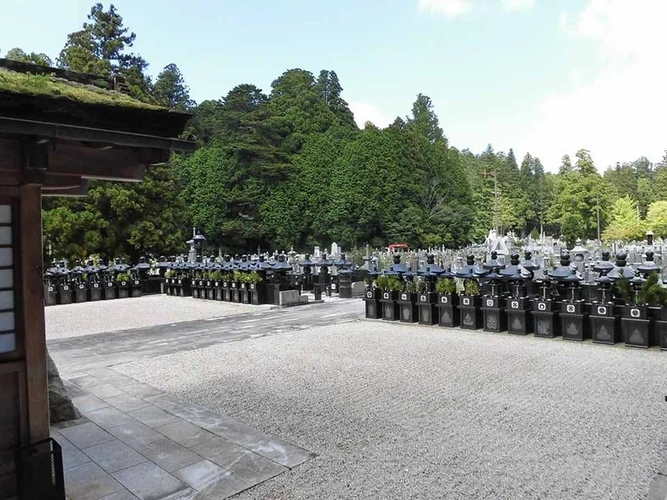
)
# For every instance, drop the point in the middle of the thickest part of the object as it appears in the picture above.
(605, 324)
(495, 317)
(135, 288)
(519, 319)
(123, 290)
(50, 295)
(372, 304)
(94, 292)
(80, 293)
(257, 293)
(109, 290)
(408, 307)
(636, 326)
(390, 311)
(449, 315)
(470, 313)
(427, 305)
(64, 294)
(574, 320)
(345, 285)
(545, 318)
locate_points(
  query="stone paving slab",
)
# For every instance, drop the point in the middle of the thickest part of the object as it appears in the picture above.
(128, 447)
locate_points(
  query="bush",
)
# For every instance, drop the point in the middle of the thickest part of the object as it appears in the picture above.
(471, 287)
(445, 285)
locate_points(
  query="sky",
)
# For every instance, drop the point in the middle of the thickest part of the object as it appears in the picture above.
(547, 77)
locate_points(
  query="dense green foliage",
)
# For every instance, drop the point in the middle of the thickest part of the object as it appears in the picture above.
(289, 167)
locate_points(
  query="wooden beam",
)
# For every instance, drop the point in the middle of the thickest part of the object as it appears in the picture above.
(72, 191)
(30, 310)
(106, 164)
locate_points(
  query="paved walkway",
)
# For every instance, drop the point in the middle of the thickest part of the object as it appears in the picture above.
(138, 442)
(135, 441)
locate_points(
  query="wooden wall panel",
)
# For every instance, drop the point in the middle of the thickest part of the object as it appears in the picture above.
(10, 430)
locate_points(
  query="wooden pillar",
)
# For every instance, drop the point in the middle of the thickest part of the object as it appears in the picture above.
(31, 310)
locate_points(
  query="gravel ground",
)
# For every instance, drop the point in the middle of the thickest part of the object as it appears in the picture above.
(75, 320)
(398, 412)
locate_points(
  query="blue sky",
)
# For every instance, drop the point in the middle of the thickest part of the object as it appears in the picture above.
(543, 76)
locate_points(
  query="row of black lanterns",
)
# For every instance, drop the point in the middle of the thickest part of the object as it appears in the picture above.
(501, 298)
(94, 282)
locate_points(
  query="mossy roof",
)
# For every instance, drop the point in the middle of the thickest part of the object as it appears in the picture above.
(50, 86)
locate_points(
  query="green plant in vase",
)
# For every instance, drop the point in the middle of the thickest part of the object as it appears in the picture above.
(383, 282)
(652, 292)
(445, 286)
(254, 277)
(623, 289)
(215, 276)
(411, 286)
(120, 277)
(471, 287)
(421, 285)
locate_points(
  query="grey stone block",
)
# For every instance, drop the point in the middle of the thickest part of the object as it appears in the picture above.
(168, 454)
(88, 403)
(148, 481)
(113, 455)
(127, 402)
(135, 434)
(185, 433)
(89, 481)
(212, 480)
(153, 416)
(85, 435)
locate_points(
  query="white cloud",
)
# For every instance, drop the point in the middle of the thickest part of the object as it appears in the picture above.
(364, 112)
(447, 8)
(454, 8)
(618, 115)
(517, 5)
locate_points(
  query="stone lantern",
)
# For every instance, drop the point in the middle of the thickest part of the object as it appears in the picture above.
(493, 303)
(307, 272)
(93, 281)
(519, 320)
(323, 279)
(78, 284)
(279, 280)
(604, 318)
(198, 242)
(469, 302)
(344, 270)
(573, 316)
(390, 304)
(427, 299)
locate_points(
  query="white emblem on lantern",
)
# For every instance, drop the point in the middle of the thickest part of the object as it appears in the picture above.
(541, 306)
(602, 311)
(489, 303)
(569, 308)
(514, 304)
(635, 313)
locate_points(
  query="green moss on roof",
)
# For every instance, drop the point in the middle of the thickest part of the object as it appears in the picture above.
(58, 88)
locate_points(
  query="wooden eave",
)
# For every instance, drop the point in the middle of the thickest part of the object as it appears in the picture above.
(62, 157)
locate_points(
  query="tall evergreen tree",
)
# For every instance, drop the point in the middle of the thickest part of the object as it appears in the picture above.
(171, 91)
